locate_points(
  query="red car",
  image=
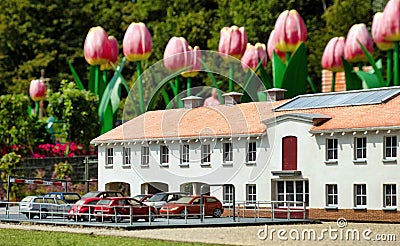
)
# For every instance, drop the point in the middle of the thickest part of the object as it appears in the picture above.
(143, 197)
(118, 208)
(81, 212)
(190, 205)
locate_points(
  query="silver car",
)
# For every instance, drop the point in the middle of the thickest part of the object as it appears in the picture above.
(42, 207)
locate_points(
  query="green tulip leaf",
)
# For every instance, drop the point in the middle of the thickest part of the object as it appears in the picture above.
(353, 82)
(278, 70)
(369, 80)
(295, 76)
(76, 77)
(374, 65)
(107, 123)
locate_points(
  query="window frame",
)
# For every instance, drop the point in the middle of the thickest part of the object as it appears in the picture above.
(126, 152)
(145, 155)
(184, 154)
(392, 148)
(164, 155)
(251, 152)
(227, 153)
(363, 196)
(251, 193)
(305, 193)
(334, 149)
(332, 196)
(109, 156)
(391, 197)
(227, 195)
(205, 153)
(360, 149)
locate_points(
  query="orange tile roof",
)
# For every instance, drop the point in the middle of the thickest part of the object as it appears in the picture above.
(246, 119)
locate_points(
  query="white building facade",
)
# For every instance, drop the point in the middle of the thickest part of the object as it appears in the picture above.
(337, 152)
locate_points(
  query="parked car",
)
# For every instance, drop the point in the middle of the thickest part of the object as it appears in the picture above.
(103, 194)
(69, 197)
(159, 199)
(143, 197)
(41, 206)
(118, 208)
(83, 209)
(190, 205)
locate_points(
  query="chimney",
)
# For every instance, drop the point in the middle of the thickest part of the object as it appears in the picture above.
(275, 94)
(191, 102)
(232, 98)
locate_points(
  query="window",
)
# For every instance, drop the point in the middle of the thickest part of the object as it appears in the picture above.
(331, 195)
(361, 148)
(109, 156)
(127, 156)
(331, 149)
(389, 191)
(185, 153)
(360, 195)
(228, 194)
(205, 153)
(145, 155)
(292, 191)
(164, 154)
(251, 193)
(390, 147)
(228, 152)
(251, 152)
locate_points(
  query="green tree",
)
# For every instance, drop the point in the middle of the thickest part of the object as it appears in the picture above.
(77, 109)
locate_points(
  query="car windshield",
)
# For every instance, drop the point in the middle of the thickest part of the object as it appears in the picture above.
(27, 199)
(138, 197)
(104, 202)
(157, 197)
(90, 194)
(80, 202)
(71, 197)
(185, 199)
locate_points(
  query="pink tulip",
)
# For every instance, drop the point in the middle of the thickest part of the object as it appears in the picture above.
(232, 42)
(176, 55)
(334, 51)
(253, 55)
(113, 54)
(271, 47)
(352, 49)
(391, 18)
(378, 33)
(96, 48)
(137, 43)
(290, 31)
(194, 56)
(37, 90)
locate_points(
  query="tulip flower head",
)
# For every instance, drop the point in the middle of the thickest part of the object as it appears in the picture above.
(391, 20)
(290, 31)
(271, 47)
(232, 42)
(137, 44)
(37, 90)
(176, 54)
(194, 61)
(352, 49)
(378, 33)
(113, 54)
(333, 53)
(253, 55)
(96, 48)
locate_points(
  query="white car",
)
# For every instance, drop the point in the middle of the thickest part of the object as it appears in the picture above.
(41, 206)
(159, 199)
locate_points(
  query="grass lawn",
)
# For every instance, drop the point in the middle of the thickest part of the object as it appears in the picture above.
(14, 237)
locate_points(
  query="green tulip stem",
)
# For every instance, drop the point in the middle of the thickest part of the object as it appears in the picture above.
(360, 66)
(188, 85)
(396, 64)
(288, 55)
(37, 108)
(96, 79)
(140, 85)
(230, 76)
(389, 67)
(333, 81)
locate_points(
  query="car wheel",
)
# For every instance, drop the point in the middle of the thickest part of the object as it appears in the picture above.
(117, 218)
(98, 219)
(85, 218)
(152, 217)
(43, 214)
(184, 213)
(217, 213)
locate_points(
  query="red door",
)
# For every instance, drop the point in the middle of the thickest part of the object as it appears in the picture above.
(289, 153)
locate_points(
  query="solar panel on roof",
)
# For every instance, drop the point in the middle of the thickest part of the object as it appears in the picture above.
(337, 99)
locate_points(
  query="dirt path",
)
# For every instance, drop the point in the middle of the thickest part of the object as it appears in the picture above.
(328, 233)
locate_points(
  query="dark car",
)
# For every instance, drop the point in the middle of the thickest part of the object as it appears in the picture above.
(190, 205)
(83, 209)
(103, 194)
(69, 197)
(143, 197)
(42, 206)
(118, 208)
